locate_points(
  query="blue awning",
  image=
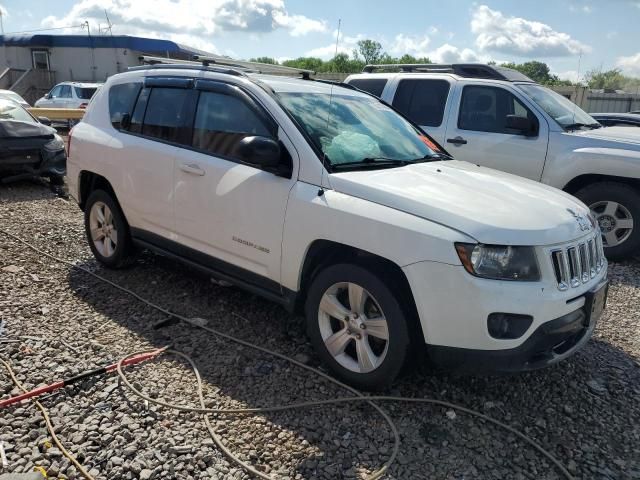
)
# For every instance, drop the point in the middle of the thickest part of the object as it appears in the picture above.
(139, 44)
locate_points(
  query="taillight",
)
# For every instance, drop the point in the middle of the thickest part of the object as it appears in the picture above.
(83, 105)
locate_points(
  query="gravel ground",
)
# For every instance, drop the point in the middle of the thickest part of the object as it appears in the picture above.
(586, 411)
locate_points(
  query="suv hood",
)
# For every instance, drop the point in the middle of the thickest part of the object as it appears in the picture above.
(17, 129)
(627, 135)
(491, 206)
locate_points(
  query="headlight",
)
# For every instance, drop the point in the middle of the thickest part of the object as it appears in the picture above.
(499, 262)
(56, 144)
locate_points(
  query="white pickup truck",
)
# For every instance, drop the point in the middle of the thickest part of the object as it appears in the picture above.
(497, 117)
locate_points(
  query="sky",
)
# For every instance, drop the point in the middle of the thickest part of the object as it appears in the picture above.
(571, 36)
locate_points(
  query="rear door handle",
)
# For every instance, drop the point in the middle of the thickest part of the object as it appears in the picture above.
(457, 141)
(193, 169)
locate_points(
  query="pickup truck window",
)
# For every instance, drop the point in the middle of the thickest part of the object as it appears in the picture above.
(222, 121)
(374, 86)
(485, 109)
(561, 109)
(423, 101)
(354, 129)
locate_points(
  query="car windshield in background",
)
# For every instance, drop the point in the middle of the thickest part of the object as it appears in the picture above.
(85, 93)
(10, 110)
(560, 108)
(359, 130)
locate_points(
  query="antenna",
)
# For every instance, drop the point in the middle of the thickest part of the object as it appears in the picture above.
(324, 155)
(575, 105)
(109, 24)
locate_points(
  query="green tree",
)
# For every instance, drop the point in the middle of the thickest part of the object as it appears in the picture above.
(308, 63)
(606, 79)
(269, 60)
(538, 72)
(370, 50)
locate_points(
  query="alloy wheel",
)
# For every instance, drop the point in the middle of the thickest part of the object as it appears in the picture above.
(104, 234)
(615, 220)
(353, 327)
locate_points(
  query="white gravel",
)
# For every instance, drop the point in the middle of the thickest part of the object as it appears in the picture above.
(586, 411)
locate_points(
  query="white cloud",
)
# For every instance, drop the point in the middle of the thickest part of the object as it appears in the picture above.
(450, 54)
(186, 21)
(346, 45)
(629, 65)
(518, 36)
(4, 11)
(413, 45)
(571, 75)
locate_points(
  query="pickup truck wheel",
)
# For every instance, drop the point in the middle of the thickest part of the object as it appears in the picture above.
(107, 230)
(357, 326)
(616, 207)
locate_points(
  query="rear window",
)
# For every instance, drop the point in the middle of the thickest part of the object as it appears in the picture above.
(423, 101)
(374, 86)
(122, 97)
(85, 93)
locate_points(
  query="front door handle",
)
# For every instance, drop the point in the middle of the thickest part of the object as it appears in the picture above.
(457, 141)
(193, 169)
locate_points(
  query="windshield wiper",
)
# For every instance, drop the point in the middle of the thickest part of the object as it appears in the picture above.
(369, 162)
(575, 126)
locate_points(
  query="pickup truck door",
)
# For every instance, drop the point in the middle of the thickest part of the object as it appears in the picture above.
(477, 131)
(424, 101)
(228, 210)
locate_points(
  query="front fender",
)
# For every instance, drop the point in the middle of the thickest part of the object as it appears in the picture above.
(399, 237)
(615, 162)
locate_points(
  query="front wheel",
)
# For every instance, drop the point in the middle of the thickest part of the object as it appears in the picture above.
(616, 207)
(357, 326)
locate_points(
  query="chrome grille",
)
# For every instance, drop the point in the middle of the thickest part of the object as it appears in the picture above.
(577, 263)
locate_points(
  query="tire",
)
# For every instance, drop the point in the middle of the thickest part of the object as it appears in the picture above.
(617, 209)
(385, 358)
(112, 246)
(56, 180)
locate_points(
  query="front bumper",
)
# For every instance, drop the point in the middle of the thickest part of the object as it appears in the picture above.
(46, 163)
(550, 343)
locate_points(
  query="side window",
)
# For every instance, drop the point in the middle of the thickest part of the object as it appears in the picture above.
(55, 92)
(165, 113)
(121, 100)
(138, 112)
(374, 86)
(485, 109)
(423, 101)
(222, 121)
(65, 92)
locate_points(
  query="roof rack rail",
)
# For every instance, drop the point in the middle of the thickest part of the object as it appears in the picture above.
(254, 66)
(153, 63)
(467, 70)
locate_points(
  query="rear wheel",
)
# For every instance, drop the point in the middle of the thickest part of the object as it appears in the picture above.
(616, 207)
(107, 230)
(357, 326)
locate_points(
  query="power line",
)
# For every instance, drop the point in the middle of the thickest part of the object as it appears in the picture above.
(45, 29)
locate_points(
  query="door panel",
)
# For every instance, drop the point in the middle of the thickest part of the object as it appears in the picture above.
(224, 207)
(476, 131)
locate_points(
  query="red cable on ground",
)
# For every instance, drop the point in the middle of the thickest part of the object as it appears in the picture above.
(90, 373)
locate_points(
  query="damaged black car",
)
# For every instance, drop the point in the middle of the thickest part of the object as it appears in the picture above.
(29, 147)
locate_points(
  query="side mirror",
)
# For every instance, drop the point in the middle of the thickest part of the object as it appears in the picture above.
(522, 125)
(262, 152)
(44, 121)
(48, 96)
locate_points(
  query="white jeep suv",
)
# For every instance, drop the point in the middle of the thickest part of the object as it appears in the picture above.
(326, 200)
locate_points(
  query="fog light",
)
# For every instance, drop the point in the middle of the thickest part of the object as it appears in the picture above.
(508, 325)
